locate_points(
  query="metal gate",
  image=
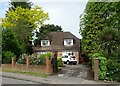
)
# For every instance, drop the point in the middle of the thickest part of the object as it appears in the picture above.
(54, 62)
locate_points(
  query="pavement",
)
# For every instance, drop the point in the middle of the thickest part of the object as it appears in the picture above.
(6, 80)
(51, 79)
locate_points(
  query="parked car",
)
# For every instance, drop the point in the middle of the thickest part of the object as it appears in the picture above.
(69, 59)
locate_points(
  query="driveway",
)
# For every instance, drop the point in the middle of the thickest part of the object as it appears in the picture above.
(78, 71)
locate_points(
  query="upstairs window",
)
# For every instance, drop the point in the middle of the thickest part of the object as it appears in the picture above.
(45, 42)
(68, 42)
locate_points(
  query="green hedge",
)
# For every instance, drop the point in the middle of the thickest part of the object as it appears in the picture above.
(113, 69)
(59, 62)
(7, 57)
(102, 68)
(102, 65)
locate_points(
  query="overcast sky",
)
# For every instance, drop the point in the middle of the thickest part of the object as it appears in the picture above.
(63, 13)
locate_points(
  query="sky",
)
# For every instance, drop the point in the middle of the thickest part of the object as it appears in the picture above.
(61, 12)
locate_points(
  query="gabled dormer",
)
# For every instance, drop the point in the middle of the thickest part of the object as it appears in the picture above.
(45, 42)
(68, 42)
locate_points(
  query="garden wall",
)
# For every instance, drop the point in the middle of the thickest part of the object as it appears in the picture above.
(46, 69)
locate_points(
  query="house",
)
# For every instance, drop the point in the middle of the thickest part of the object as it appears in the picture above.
(62, 42)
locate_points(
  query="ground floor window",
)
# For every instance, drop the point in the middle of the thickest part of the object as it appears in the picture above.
(67, 53)
(42, 52)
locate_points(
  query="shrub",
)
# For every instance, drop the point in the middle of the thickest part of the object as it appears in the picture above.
(102, 68)
(59, 62)
(43, 59)
(7, 57)
(113, 69)
(22, 59)
(48, 54)
(35, 59)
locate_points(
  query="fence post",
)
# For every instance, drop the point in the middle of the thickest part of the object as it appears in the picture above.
(13, 61)
(96, 68)
(27, 61)
(49, 68)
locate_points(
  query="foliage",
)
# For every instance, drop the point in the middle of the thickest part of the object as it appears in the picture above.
(113, 69)
(24, 4)
(44, 29)
(35, 59)
(48, 54)
(103, 68)
(59, 62)
(7, 57)
(22, 59)
(23, 22)
(10, 42)
(100, 29)
(96, 18)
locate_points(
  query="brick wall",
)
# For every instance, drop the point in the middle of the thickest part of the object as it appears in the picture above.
(47, 69)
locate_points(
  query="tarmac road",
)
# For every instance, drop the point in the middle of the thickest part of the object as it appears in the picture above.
(6, 80)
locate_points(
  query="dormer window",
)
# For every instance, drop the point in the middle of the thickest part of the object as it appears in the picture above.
(68, 42)
(45, 42)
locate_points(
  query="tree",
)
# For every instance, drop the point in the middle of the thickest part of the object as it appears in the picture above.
(97, 17)
(44, 29)
(48, 28)
(26, 4)
(10, 42)
(24, 21)
(100, 28)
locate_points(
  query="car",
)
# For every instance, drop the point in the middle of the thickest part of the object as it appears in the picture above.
(69, 59)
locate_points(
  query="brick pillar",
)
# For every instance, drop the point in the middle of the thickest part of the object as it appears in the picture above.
(96, 68)
(59, 54)
(27, 61)
(13, 61)
(49, 67)
(77, 56)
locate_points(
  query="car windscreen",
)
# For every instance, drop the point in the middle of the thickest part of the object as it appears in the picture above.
(64, 56)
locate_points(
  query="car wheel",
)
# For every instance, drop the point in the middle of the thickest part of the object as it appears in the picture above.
(74, 63)
(68, 62)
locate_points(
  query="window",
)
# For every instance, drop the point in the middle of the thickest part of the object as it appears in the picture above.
(68, 42)
(67, 53)
(45, 43)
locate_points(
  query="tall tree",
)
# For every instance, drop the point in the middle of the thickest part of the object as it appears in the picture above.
(24, 21)
(100, 28)
(48, 28)
(23, 3)
(44, 29)
(97, 17)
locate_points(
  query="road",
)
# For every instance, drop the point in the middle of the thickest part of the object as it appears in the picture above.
(6, 80)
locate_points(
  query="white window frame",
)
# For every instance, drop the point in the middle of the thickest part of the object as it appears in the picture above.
(66, 40)
(48, 42)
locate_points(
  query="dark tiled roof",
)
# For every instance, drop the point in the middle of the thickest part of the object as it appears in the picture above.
(57, 42)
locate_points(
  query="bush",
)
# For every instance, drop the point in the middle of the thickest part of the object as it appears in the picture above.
(43, 59)
(22, 59)
(113, 69)
(35, 59)
(48, 54)
(102, 68)
(59, 62)
(7, 57)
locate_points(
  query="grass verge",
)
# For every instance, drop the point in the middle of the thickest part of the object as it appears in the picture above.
(26, 73)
